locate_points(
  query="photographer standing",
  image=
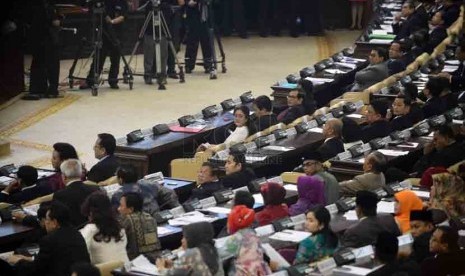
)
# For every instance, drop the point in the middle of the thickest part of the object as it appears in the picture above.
(115, 13)
(198, 24)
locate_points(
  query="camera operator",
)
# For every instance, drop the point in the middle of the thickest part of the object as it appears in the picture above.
(45, 67)
(149, 42)
(115, 13)
(198, 24)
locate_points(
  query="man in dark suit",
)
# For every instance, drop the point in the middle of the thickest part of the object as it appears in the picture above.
(449, 258)
(377, 126)
(373, 73)
(207, 181)
(370, 225)
(421, 228)
(414, 21)
(332, 131)
(58, 251)
(25, 188)
(395, 63)
(434, 105)
(237, 174)
(75, 192)
(443, 151)
(457, 78)
(437, 32)
(295, 108)
(263, 108)
(106, 167)
(451, 10)
(401, 117)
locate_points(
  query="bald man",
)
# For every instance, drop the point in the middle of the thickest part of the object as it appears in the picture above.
(332, 130)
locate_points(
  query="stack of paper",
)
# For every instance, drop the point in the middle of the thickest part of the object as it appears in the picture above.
(278, 148)
(258, 198)
(161, 230)
(393, 152)
(218, 210)
(319, 80)
(385, 207)
(351, 215)
(290, 187)
(142, 265)
(290, 235)
(188, 218)
(449, 68)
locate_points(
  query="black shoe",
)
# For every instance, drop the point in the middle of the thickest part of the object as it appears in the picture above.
(31, 97)
(114, 86)
(173, 76)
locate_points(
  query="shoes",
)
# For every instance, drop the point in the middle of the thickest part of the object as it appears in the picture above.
(173, 75)
(114, 86)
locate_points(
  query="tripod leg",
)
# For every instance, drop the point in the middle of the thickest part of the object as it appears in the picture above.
(76, 58)
(171, 48)
(223, 55)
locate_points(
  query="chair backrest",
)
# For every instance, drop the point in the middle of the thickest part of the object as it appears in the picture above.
(254, 136)
(274, 127)
(291, 177)
(107, 267)
(109, 181)
(39, 200)
(454, 168)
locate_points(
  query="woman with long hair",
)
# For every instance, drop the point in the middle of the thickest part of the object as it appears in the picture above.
(106, 240)
(200, 257)
(322, 242)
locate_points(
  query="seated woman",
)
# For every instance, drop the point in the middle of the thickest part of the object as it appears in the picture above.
(106, 240)
(448, 194)
(275, 208)
(244, 244)
(61, 152)
(140, 227)
(311, 193)
(243, 128)
(200, 257)
(406, 201)
(322, 242)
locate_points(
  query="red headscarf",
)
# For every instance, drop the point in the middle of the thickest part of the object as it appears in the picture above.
(239, 218)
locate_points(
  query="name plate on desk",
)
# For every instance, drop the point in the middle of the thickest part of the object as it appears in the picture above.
(344, 155)
(299, 220)
(284, 223)
(223, 196)
(345, 204)
(155, 177)
(280, 134)
(271, 138)
(291, 131)
(321, 119)
(363, 254)
(222, 154)
(208, 202)
(326, 266)
(262, 141)
(177, 211)
(265, 230)
(332, 209)
(251, 146)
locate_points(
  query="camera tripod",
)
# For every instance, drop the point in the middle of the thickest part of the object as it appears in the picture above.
(160, 30)
(98, 32)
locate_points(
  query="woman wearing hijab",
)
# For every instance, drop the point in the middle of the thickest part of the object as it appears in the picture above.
(244, 244)
(273, 197)
(406, 201)
(322, 242)
(311, 192)
(200, 257)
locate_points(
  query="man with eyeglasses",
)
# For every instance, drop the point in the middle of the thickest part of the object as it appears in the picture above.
(373, 73)
(315, 168)
(295, 108)
(395, 62)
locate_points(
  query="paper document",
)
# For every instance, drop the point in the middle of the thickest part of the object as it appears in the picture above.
(5, 180)
(380, 41)
(42, 174)
(393, 152)
(265, 230)
(188, 218)
(449, 68)
(316, 129)
(354, 59)
(161, 230)
(351, 215)
(219, 210)
(335, 71)
(408, 145)
(385, 207)
(31, 209)
(452, 62)
(290, 235)
(387, 27)
(251, 159)
(143, 265)
(379, 32)
(258, 198)
(275, 256)
(290, 187)
(278, 148)
(319, 80)
(346, 65)
(355, 115)
(423, 194)
(457, 122)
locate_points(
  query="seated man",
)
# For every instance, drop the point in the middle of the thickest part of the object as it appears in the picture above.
(378, 126)
(373, 73)
(263, 108)
(457, 78)
(106, 167)
(434, 105)
(371, 179)
(75, 192)
(437, 31)
(412, 21)
(396, 63)
(443, 151)
(140, 227)
(237, 174)
(332, 131)
(370, 225)
(451, 11)
(448, 258)
(315, 168)
(25, 188)
(421, 228)
(58, 251)
(207, 181)
(401, 117)
(155, 196)
(294, 109)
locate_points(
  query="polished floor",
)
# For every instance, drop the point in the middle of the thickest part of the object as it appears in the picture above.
(253, 64)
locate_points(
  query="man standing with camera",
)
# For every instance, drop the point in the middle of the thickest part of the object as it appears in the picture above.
(114, 16)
